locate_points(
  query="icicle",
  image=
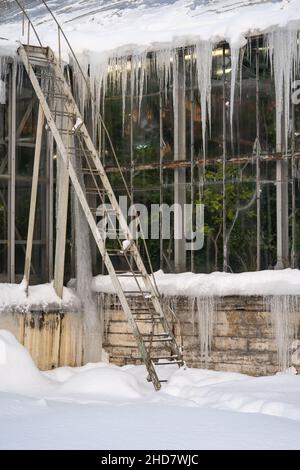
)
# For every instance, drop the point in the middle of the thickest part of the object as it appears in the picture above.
(285, 322)
(234, 67)
(91, 321)
(163, 68)
(143, 65)
(283, 53)
(204, 66)
(206, 308)
(3, 77)
(242, 53)
(124, 73)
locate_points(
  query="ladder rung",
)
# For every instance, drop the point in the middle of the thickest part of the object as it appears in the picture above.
(148, 316)
(37, 49)
(158, 340)
(115, 254)
(166, 358)
(60, 96)
(154, 320)
(143, 308)
(90, 171)
(42, 74)
(35, 58)
(65, 131)
(95, 191)
(131, 275)
(149, 319)
(140, 292)
(157, 335)
(146, 292)
(62, 113)
(167, 363)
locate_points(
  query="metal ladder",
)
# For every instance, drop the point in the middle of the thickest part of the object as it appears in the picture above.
(140, 302)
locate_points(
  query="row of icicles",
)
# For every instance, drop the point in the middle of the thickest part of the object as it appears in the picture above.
(285, 323)
(124, 75)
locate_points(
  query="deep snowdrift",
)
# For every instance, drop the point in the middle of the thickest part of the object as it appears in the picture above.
(101, 406)
(18, 374)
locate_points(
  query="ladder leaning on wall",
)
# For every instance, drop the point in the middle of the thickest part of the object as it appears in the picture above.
(142, 305)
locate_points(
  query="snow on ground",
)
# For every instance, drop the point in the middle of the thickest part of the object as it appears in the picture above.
(41, 296)
(265, 283)
(101, 406)
(103, 26)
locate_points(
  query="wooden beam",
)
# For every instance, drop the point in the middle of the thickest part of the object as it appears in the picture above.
(61, 217)
(12, 169)
(171, 165)
(34, 189)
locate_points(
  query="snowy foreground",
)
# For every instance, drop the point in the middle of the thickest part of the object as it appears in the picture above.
(101, 406)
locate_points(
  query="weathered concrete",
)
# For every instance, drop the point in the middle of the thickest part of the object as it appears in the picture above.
(53, 338)
(242, 339)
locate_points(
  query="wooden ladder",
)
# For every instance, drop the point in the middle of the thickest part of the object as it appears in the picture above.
(141, 301)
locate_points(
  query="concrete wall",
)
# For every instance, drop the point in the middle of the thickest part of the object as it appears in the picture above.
(53, 338)
(242, 339)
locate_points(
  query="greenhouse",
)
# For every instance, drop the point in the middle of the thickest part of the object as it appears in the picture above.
(206, 123)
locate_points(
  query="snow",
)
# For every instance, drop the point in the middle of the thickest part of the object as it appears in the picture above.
(40, 296)
(102, 406)
(106, 26)
(262, 283)
(217, 284)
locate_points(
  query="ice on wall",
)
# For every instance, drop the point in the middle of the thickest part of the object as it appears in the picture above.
(202, 315)
(92, 348)
(285, 322)
(284, 57)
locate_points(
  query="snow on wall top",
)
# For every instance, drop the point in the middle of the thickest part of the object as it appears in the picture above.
(135, 25)
(42, 296)
(262, 283)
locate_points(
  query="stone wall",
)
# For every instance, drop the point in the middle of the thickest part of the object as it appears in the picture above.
(242, 339)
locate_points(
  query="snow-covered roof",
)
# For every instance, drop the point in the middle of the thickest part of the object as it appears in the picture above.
(106, 25)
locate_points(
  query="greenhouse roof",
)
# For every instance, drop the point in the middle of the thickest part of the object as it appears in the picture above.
(136, 25)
